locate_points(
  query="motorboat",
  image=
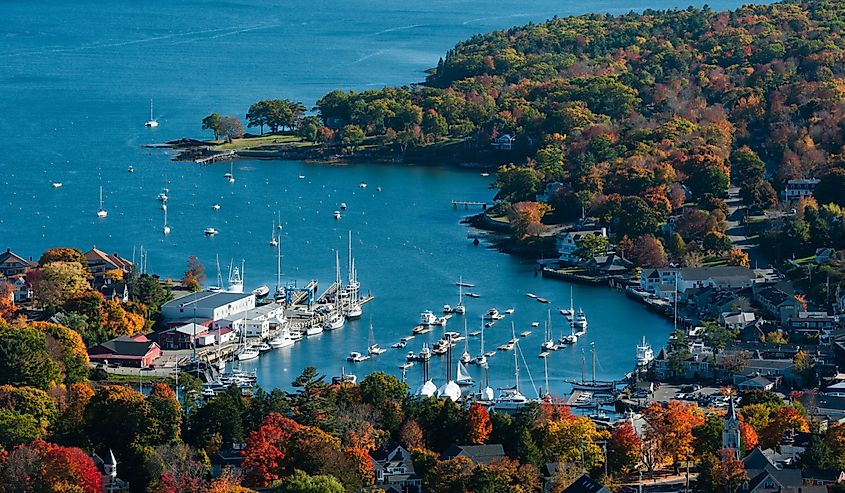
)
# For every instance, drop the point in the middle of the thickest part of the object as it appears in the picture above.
(544, 354)
(428, 318)
(531, 295)
(490, 354)
(508, 346)
(405, 366)
(421, 329)
(162, 197)
(210, 231)
(493, 314)
(215, 207)
(57, 184)
(343, 206)
(262, 347)
(543, 300)
(357, 357)
(645, 354)
(248, 353)
(131, 169)
(525, 334)
(334, 321)
(236, 280)
(152, 122)
(580, 322)
(399, 345)
(362, 185)
(261, 291)
(509, 311)
(282, 339)
(314, 330)
(510, 399)
(375, 350)
(473, 295)
(337, 214)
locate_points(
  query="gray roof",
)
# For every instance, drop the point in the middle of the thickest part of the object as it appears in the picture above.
(585, 484)
(479, 454)
(205, 300)
(724, 272)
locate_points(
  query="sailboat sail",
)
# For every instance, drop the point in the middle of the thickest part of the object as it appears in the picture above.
(463, 377)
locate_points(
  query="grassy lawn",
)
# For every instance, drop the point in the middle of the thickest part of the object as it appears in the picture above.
(264, 140)
(805, 260)
(713, 261)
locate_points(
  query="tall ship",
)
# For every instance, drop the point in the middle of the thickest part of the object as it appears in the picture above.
(353, 306)
(592, 385)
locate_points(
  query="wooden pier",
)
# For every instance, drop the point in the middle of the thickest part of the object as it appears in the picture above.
(217, 156)
(468, 203)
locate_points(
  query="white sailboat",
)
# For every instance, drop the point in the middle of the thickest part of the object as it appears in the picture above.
(230, 176)
(548, 344)
(450, 389)
(466, 358)
(166, 228)
(273, 240)
(374, 349)
(102, 213)
(335, 320)
(248, 353)
(279, 294)
(481, 359)
(463, 376)
(511, 399)
(152, 122)
(353, 307)
(219, 287)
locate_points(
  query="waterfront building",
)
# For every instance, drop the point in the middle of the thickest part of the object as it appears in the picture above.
(136, 351)
(723, 276)
(258, 314)
(12, 264)
(184, 337)
(208, 305)
(567, 242)
(503, 142)
(736, 320)
(100, 262)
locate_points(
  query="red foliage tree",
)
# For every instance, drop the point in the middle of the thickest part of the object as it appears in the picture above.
(266, 449)
(478, 424)
(42, 466)
(624, 448)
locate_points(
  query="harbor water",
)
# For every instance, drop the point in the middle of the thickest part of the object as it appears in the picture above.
(76, 80)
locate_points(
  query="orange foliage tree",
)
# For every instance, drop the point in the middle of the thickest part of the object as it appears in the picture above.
(7, 300)
(525, 218)
(738, 257)
(478, 424)
(785, 419)
(42, 466)
(671, 426)
(748, 435)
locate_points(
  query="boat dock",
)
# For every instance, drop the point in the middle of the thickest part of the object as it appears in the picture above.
(468, 203)
(216, 156)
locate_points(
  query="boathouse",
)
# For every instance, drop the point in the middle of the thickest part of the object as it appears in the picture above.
(136, 351)
(207, 305)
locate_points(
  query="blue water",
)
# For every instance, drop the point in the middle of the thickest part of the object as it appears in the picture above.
(75, 81)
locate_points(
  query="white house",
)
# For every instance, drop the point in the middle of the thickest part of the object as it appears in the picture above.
(567, 243)
(208, 305)
(256, 328)
(503, 142)
(725, 277)
(795, 189)
(736, 320)
(23, 290)
(264, 313)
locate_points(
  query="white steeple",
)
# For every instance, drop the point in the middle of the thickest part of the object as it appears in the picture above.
(731, 436)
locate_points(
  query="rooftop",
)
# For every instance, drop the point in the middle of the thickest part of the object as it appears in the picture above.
(205, 300)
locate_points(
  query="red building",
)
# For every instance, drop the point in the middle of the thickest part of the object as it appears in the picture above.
(137, 351)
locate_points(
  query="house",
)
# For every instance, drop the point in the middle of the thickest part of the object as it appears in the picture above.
(585, 484)
(137, 351)
(610, 264)
(23, 290)
(183, 337)
(753, 382)
(113, 290)
(699, 364)
(777, 303)
(723, 276)
(811, 322)
(12, 264)
(258, 315)
(736, 320)
(765, 477)
(229, 457)
(550, 190)
(567, 242)
(394, 467)
(223, 335)
(208, 305)
(823, 255)
(100, 262)
(795, 189)
(478, 454)
(823, 406)
(503, 142)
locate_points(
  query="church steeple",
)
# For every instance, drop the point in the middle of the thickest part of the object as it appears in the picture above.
(731, 437)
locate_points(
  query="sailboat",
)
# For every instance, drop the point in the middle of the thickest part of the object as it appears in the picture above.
(102, 213)
(481, 359)
(428, 388)
(273, 240)
(279, 295)
(374, 349)
(166, 228)
(230, 176)
(548, 344)
(466, 358)
(152, 122)
(460, 309)
(450, 389)
(335, 319)
(353, 307)
(463, 376)
(219, 287)
(511, 399)
(591, 385)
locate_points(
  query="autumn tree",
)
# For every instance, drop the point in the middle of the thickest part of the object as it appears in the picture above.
(24, 360)
(301, 482)
(266, 450)
(62, 255)
(176, 468)
(672, 426)
(525, 218)
(42, 466)
(574, 439)
(411, 435)
(738, 257)
(60, 281)
(785, 419)
(623, 449)
(588, 246)
(478, 425)
(231, 128)
(648, 251)
(7, 300)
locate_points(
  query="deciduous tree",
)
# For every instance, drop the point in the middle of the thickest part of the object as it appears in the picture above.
(478, 425)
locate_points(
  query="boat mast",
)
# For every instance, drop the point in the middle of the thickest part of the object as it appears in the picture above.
(279, 265)
(593, 351)
(515, 359)
(482, 335)
(151, 109)
(583, 363)
(460, 290)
